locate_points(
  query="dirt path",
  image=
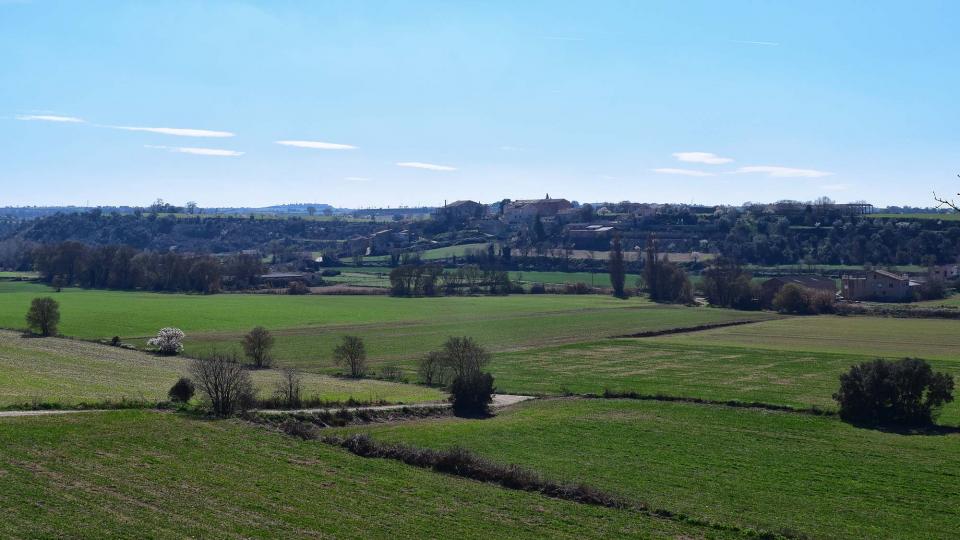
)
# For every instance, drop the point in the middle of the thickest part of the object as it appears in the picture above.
(499, 401)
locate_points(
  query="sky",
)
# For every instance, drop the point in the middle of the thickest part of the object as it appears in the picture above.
(383, 103)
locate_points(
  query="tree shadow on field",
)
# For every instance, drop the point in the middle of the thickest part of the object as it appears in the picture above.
(929, 430)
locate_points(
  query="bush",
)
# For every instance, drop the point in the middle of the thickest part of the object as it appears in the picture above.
(298, 288)
(182, 391)
(538, 288)
(257, 345)
(224, 383)
(352, 353)
(577, 288)
(932, 289)
(44, 316)
(906, 392)
(799, 300)
(391, 373)
(472, 393)
(169, 341)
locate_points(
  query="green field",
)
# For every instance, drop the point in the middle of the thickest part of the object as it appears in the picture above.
(952, 216)
(594, 279)
(873, 336)
(17, 275)
(70, 372)
(810, 475)
(133, 474)
(397, 330)
(658, 366)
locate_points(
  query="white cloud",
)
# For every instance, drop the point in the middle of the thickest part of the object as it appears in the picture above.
(427, 166)
(51, 118)
(356, 179)
(707, 158)
(318, 145)
(197, 151)
(179, 132)
(783, 172)
(835, 187)
(764, 43)
(682, 172)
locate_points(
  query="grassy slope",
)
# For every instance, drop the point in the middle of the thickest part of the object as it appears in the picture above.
(652, 366)
(775, 471)
(72, 372)
(396, 329)
(887, 337)
(140, 474)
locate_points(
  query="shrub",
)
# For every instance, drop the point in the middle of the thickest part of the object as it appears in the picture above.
(577, 288)
(538, 288)
(224, 383)
(905, 392)
(932, 289)
(391, 373)
(793, 298)
(169, 341)
(44, 316)
(432, 368)
(472, 393)
(352, 353)
(289, 389)
(257, 345)
(298, 288)
(182, 391)
(115, 341)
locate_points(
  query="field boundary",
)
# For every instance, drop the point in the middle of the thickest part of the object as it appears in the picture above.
(733, 403)
(689, 329)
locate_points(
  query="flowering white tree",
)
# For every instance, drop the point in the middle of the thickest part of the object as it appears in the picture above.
(168, 341)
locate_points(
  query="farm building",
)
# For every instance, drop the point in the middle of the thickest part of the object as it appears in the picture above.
(462, 210)
(877, 285)
(772, 286)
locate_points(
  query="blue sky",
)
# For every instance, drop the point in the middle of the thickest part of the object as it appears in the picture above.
(388, 103)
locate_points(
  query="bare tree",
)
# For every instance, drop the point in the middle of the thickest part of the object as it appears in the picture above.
(944, 202)
(463, 356)
(353, 354)
(224, 383)
(257, 345)
(432, 368)
(289, 388)
(43, 316)
(618, 269)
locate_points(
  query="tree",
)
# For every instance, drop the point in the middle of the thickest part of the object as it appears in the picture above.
(432, 368)
(181, 391)
(944, 202)
(664, 281)
(44, 316)
(224, 383)
(726, 284)
(618, 269)
(257, 345)
(191, 207)
(289, 388)
(169, 341)
(463, 356)
(472, 393)
(312, 210)
(906, 392)
(352, 353)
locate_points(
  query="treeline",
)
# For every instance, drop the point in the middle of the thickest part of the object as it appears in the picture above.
(123, 267)
(432, 280)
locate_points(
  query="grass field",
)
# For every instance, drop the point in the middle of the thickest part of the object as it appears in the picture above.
(775, 471)
(654, 366)
(952, 216)
(874, 336)
(69, 372)
(132, 474)
(17, 275)
(396, 329)
(596, 279)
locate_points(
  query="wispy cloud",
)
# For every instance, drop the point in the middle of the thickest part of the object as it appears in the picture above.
(761, 43)
(197, 151)
(179, 132)
(782, 172)
(318, 145)
(50, 118)
(682, 172)
(707, 158)
(356, 179)
(835, 187)
(427, 166)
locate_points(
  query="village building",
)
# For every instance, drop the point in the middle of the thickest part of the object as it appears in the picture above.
(879, 285)
(524, 210)
(772, 286)
(462, 211)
